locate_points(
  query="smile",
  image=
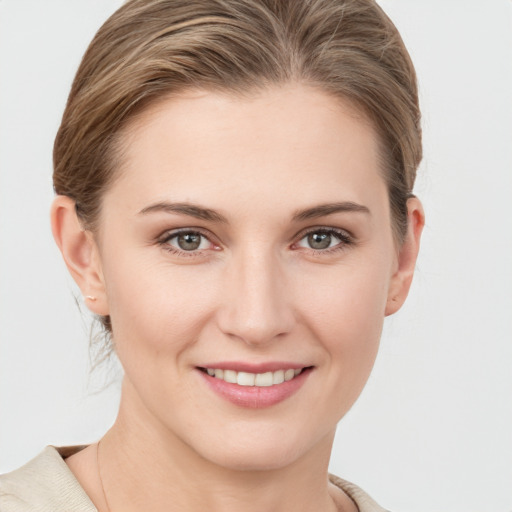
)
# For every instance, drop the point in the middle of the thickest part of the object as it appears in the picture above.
(254, 386)
(265, 379)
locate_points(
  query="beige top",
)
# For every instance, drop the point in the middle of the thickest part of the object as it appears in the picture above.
(45, 484)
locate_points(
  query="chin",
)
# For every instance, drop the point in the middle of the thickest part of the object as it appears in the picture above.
(259, 449)
(266, 459)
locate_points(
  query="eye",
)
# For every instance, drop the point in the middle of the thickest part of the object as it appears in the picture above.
(186, 241)
(325, 239)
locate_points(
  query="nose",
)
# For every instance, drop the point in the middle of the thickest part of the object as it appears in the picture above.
(256, 306)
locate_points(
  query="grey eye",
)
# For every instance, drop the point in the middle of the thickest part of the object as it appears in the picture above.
(324, 238)
(319, 240)
(189, 241)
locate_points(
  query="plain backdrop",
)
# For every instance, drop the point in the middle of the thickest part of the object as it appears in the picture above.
(433, 428)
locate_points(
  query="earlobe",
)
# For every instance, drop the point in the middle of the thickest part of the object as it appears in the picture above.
(80, 253)
(408, 253)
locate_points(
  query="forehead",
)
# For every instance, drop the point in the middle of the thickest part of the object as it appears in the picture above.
(291, 144)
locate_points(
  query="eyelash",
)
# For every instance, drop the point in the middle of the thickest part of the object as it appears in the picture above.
(168, 236)
(345, 240)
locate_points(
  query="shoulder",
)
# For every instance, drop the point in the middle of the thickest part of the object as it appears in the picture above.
(363, 501)
(45, 484)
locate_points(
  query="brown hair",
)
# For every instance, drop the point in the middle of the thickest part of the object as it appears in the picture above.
(150, 49)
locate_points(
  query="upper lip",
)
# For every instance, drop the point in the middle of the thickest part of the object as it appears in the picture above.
(239, 366)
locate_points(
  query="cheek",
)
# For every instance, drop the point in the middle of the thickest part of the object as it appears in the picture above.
(347, 315)
(154, 307)
(351, 298)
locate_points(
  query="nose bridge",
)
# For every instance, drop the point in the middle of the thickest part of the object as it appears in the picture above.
(256, 305)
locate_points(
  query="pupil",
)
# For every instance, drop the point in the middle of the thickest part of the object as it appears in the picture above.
(189, 241)
(319, 240)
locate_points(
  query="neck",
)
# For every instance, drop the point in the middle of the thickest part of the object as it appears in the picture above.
(146, 467)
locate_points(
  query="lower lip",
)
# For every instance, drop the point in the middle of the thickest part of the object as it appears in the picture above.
(256, 397)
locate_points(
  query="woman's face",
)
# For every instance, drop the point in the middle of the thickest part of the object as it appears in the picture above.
(250, 238)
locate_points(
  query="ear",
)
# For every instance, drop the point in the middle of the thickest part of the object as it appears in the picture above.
(80, 253)
(407, 254)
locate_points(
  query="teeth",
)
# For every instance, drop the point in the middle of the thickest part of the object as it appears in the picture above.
(254, 379)
(289, 374)
(263, 379)
(245, 379)
(278, 377)
(230, 376)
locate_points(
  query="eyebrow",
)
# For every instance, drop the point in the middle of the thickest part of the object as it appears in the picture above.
(329, 209)
(202, 213)
(191, 210)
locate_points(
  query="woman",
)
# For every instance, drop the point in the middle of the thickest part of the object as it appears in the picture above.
(234, 200)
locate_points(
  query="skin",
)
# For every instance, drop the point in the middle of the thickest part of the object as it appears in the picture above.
(255, 290)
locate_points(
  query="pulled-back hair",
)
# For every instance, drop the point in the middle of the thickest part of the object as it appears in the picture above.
(151, 49)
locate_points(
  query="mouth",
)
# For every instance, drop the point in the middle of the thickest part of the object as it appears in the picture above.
(261, 380)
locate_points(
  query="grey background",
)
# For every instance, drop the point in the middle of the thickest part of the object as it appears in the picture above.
(433, 429)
